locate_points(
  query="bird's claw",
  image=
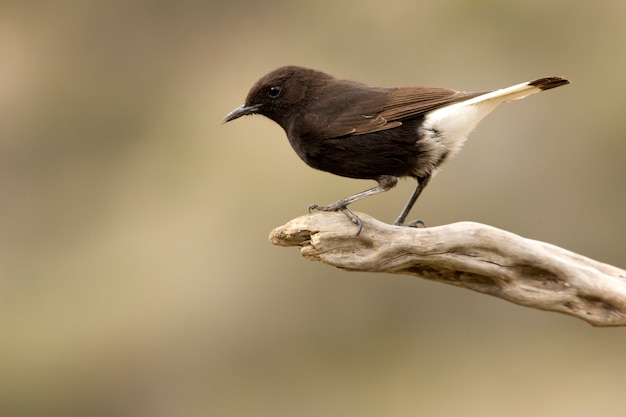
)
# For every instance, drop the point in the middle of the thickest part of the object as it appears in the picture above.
(353, 217)
(330, 207)
(414, 223)
(314, 207)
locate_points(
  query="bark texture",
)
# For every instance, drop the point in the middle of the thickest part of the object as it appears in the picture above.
(469, 255)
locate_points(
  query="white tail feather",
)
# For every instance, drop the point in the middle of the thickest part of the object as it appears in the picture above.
(504, 95)
(450, 125)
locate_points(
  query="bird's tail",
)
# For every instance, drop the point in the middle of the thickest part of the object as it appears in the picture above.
(459, 119)
(518, 91)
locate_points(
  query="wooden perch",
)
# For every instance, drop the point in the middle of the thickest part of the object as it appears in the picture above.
(470, 255)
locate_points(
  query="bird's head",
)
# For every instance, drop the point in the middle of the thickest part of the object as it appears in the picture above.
(279, 94)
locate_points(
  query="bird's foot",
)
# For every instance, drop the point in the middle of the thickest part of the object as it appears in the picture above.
(414, 223)
(336, 207)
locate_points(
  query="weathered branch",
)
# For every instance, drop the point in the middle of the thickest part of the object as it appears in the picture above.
(470, 255)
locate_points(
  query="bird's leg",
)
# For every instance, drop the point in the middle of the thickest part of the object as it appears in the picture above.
(385, 183)
(421, 184)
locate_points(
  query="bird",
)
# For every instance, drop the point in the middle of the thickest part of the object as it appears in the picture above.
(356, 130)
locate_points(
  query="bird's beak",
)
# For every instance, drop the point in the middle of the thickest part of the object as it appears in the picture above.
(241, 111)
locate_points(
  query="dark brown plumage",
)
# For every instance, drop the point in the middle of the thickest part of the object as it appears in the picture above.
(360, 131)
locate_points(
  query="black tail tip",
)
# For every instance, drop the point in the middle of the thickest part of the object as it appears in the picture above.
(549, 82)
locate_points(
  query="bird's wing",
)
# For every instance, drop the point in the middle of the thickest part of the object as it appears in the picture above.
(409, 102)
(382, 109)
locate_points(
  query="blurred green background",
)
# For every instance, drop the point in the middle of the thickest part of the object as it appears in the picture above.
(135, 273)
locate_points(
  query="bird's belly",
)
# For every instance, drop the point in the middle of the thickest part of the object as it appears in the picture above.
(372, 155)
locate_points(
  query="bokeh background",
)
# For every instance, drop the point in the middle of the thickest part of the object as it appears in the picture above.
(136, 278)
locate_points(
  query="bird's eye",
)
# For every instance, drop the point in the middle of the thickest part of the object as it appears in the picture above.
(274, 91)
